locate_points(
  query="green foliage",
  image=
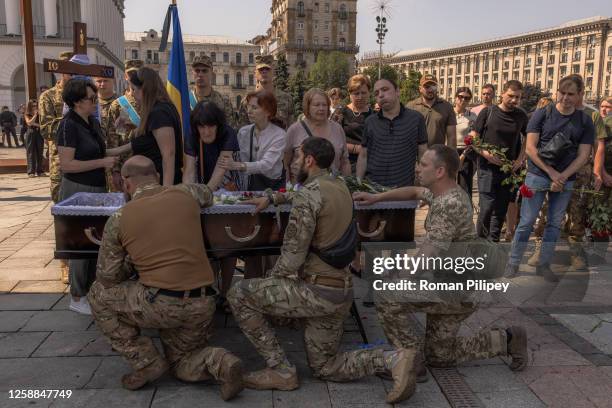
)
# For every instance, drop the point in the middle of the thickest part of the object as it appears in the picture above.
(387, 72)
(332, 70)
(409, 87)
(281, 80)
(298, 84)
(531, 96)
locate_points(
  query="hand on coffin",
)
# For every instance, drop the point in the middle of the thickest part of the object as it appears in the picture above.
(365, 198)
(260, 203)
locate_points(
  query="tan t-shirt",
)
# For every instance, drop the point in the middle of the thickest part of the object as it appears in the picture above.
(296, 135)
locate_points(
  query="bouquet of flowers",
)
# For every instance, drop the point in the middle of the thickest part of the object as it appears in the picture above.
(236, 198)
(600, 219)
(357, 184)
(515, 178)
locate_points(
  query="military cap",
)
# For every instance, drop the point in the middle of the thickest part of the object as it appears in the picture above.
(65, 55)
(133, 64)
(428, 79)
(204, 60)
(264, 61)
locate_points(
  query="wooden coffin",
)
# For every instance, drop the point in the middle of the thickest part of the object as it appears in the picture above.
(228, 230)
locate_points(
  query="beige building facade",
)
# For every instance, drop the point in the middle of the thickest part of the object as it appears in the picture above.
(540, 58)
(300, 29)
(234, 59)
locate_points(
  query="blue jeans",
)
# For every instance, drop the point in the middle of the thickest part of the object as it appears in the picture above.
(530, 207)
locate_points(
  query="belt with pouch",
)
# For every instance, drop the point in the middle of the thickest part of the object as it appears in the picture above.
(338, 283)
(193, 293)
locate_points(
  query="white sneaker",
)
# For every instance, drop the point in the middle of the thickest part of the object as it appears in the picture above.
(82, 306)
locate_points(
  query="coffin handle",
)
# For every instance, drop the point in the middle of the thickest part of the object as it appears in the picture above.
(379, 230)
(92, 235)
(228, 231)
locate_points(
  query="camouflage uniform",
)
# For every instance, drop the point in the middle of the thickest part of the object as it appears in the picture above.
(108, 130)
(285, 110)
(121, 306)
(286, 294)
(113, 138)
(50, 110)
(449, 220)
(222, 102)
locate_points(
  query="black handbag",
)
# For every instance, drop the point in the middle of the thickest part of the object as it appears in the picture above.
(561, 144)
(340, 254)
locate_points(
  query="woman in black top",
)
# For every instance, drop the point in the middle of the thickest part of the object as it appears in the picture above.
(159, 135)
(81, 151)
(353, 116)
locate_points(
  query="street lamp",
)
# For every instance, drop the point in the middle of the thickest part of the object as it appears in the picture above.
(381, 32)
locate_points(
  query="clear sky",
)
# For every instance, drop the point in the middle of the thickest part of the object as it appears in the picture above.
(413, 24)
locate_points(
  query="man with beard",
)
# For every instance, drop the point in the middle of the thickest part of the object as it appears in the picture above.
(172, 288)
(449, 221)
(302, 285)
(439, 115)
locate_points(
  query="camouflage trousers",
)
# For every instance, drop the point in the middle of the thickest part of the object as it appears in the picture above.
(55, 174)
(184, 328)
(577, 214)
(442, 345)
(252, 299)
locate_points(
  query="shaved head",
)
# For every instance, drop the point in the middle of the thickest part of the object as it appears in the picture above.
(139, 168)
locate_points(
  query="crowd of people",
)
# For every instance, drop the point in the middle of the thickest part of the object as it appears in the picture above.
(424, 151)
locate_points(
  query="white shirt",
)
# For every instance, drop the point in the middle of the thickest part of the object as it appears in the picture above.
(465, 121)
(268, 149)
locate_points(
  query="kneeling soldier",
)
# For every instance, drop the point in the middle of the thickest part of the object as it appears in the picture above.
(302, 285)
(159, 231)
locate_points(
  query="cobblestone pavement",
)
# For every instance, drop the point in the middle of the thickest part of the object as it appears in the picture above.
(45, 346)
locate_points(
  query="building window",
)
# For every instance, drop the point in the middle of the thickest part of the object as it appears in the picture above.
(506, 52)
(238, 100)
(562, 71)
(517, 50)
(577, 55)
(300, 42)
(515, 75)
(226, 57)
(610, 51)
(441, 71)
(300, 8)
(251, 58)
(191, 56)
(316, 24)
(564, 57)
(549, 84)
(591, 40)
(564, 45)
(527, 49)
(214, 79)
(539, 61)
(551, 59)
(551, 72)
(538, 74)
(213, 56)
(342, 43)
(326, 26)
(326, 41)
(506, 64)
(300, 25)
(538, 48)
(316, 41)
(238, 58)
(459, 65)
(576, 69)
(505, 77)
(299, 58)
(343, 14)
(528, 62)
(155, 57)
(495, 78)
(589, 69)
(591, 53)
(551, 46)
(526, 76)
(327, 7)
(238, 79)
(316, 7)
(342, 27)
(226, 79)
(134, 54)
(517, 63)
(576, 42)
(149, 55)
(485, 78)
(251, 79)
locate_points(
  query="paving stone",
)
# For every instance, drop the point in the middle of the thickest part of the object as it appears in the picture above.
(510, 399)
(365, 392)
(58, 321)
(24, 301)
(14, 345)
(13, 321)
(65, 344)
(98, 347)
(53, 372)
(491, 378)
(106, 398)
(54, 286)
(208, 395)
(108, 374)
(425, 400)
(307, 396)
(6, 286)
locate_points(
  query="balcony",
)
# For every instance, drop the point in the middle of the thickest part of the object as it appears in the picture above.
(235, 64)
(239, 86)
(343, 15)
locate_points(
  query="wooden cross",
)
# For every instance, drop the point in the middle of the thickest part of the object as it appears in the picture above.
(79, 47)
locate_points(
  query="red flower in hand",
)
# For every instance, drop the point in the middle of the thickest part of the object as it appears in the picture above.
(468, 140)
(525, 191)
(282, 190)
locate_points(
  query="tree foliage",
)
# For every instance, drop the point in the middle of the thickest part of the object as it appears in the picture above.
(281, 71)
(409, 87)
(387, 72)
(298, 85)
(332, 70)
(531, 96)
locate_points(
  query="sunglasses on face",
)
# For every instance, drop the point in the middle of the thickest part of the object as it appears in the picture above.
(464, 97)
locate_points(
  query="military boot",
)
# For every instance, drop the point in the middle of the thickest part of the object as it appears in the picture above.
(404, 376)
(231, 377)
(65, 271)
(139, 378)
(517, 347)
(534, 260)
(284, 379)
(578, 257)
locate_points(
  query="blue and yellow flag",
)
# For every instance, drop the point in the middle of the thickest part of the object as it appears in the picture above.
(177, 84)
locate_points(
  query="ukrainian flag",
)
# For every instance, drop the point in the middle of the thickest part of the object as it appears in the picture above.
(177, 84)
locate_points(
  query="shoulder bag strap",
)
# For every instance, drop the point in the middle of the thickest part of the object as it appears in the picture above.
(305, 126)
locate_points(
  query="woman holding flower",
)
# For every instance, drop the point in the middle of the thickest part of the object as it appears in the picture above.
(559, 142)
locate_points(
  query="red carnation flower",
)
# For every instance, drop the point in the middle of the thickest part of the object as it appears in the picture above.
(468, 140)
(525, 191)
(282, 190)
